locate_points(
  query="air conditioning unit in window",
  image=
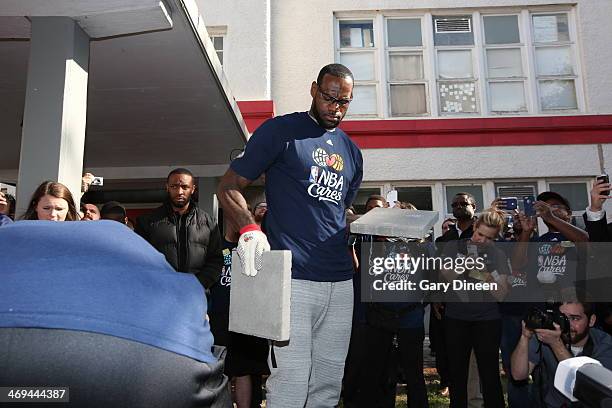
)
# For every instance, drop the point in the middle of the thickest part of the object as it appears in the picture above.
(516, 190)
(453, 25)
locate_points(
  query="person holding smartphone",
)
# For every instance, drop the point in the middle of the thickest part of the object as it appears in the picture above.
(595, 216)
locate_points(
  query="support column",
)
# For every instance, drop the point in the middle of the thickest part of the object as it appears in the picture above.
(207, 196)
(53, 137)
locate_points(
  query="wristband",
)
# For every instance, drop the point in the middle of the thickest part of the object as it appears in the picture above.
(250, 227)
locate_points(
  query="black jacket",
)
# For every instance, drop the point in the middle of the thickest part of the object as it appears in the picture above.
(599, 231)
(203, 256)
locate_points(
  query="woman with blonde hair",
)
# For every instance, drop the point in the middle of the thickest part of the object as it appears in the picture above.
(52, 202)
(475, 321)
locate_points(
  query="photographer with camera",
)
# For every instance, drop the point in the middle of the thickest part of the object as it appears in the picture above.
(543, 345)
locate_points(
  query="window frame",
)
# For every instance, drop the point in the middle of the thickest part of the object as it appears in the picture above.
(339, 50)
(482, 81)
(573, 46)
(219, 31)
(488, 80)
(588, 182)
(406, 50)
(466, 183)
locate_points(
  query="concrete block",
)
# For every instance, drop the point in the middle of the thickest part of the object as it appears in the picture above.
(260, 304)
(395, 222)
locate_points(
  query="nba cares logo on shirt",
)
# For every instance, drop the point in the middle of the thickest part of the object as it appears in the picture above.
(326, 185)
(335, 161)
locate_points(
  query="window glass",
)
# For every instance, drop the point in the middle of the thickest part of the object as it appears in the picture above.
(356, 34)
(476, 191)
(420, 197)
(550, 28)
(361, 64)
(405, 67)
(362, 197)
(408, 100)
(364, 100)
(501, 30)
(507, 96)
(504, 63)
(576, 193)
(457, 97)
(453, 30)
(558, 94)
(554, 61)
(455, 64)
(404, 32)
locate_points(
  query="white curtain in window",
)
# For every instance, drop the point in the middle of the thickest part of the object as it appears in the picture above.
(554, 61)
(504, 63)
(507, 96)
(455, 64)
(364, 100)
(361, 64)
(560, 94)
(405, 67)
(408, 100)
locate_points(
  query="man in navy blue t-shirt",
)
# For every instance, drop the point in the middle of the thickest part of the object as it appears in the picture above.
(313, 171)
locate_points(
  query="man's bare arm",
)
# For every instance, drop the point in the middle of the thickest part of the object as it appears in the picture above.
(231, 198)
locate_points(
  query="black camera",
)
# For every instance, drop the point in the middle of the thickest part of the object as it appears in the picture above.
(544, 319)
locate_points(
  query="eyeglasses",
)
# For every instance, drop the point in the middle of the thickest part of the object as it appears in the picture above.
(331, 100)
(462, 204)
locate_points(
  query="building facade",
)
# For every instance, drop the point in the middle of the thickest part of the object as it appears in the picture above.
(493, 97)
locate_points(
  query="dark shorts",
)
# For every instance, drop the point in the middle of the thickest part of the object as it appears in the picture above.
(246, 355)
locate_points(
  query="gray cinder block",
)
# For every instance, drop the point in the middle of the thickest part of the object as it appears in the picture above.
(395, 222)
(260, 304)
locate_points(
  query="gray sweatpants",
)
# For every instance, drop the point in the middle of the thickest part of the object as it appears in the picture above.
(310, 365)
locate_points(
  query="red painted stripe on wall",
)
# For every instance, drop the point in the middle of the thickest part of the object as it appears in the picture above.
(255, 113)
(473, 132)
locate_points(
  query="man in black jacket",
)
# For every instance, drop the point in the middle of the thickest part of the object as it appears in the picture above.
(186, 235)
(595, 216)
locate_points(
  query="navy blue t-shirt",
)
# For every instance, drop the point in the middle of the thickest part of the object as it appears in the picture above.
(99, 276)
(550, 270)
(311, 176)
(220, 292)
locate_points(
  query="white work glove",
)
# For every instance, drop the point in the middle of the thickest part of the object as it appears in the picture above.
(251, 246)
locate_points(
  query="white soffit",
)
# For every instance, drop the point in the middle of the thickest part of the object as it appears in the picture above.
(98, 18)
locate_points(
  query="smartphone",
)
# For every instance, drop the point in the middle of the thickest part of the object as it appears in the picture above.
(528, 202)
(97, 181)
(509, 203)
(605, 179)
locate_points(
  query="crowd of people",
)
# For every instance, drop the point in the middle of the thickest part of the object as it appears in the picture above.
(341, 347)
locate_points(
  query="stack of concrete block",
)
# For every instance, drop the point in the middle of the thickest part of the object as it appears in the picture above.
(260, 304)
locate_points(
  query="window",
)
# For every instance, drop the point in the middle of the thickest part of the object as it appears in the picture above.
(217, 36)
(411, 64)
(475, 190)
(455, 66)
(419, 196)
(504, 64)
(576, 193)
(554, 62)
(362, 196)
(405, 71)
(218, 44)
(357, 52)
(518, 190)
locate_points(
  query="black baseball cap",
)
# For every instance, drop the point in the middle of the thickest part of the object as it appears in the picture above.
(551, 195)
(112, 208)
